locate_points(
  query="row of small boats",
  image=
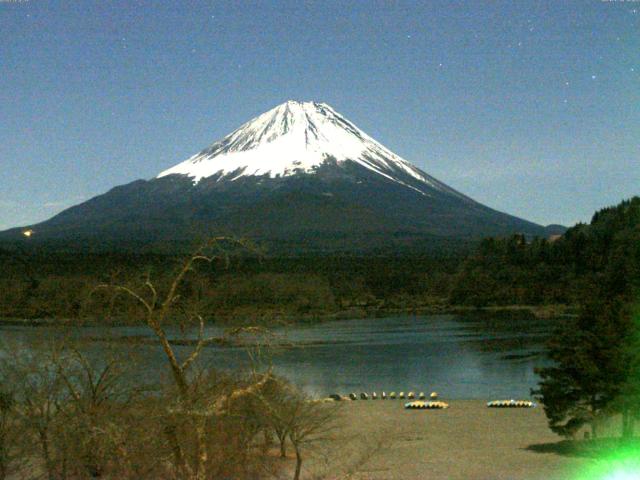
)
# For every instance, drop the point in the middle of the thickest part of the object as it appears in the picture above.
(384, 396)
(493, 404)
(511, 404)
(432, 403)
(420, 405)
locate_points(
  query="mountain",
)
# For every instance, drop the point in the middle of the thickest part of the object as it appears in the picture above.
(300, 138)
(299, 176)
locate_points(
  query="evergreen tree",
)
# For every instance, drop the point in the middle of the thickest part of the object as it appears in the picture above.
(628, 402)
(590, 370)
(597, 357)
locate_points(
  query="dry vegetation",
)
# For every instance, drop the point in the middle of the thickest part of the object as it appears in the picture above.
(67, 413)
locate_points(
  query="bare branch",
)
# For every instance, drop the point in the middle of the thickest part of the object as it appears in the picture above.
(128, 291)
(199, 344)
(154, 293)
(223, 404)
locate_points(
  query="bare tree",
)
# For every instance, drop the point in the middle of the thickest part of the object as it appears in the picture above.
(37, 389)
(293, 416)
(83, 418)
(96, 394)
(275, 401)
(159, 311)
(73, 416)
(311, 422)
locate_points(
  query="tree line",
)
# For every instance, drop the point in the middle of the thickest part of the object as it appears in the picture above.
(514, 270)
(48, 284)
(596, 371)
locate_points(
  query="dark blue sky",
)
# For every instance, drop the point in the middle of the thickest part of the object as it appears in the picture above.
(531, 107)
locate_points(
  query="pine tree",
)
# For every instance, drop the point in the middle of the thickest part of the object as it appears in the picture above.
(592, 367)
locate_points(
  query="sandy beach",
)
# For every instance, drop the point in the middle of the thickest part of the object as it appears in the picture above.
(382, 440)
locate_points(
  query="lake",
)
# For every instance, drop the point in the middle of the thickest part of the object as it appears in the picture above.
(459, 356)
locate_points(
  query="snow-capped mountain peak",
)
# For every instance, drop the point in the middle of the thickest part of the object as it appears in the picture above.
(300, 178)
(298, 137)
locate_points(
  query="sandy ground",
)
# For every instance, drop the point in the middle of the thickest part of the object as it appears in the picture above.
(381, 440)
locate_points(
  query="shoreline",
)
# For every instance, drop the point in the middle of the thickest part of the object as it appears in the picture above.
(269, 318)
(466, 441)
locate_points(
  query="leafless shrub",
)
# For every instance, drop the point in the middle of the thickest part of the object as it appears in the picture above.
(76, 417)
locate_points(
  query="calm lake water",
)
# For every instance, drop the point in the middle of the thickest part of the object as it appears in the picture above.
(457, 356)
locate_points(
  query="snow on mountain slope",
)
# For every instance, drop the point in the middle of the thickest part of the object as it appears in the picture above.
(298, 137)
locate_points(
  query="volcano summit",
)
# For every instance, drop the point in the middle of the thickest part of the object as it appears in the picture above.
(300, 175)
(297, 138)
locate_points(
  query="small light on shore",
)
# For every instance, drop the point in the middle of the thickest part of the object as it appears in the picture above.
(27, 233)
